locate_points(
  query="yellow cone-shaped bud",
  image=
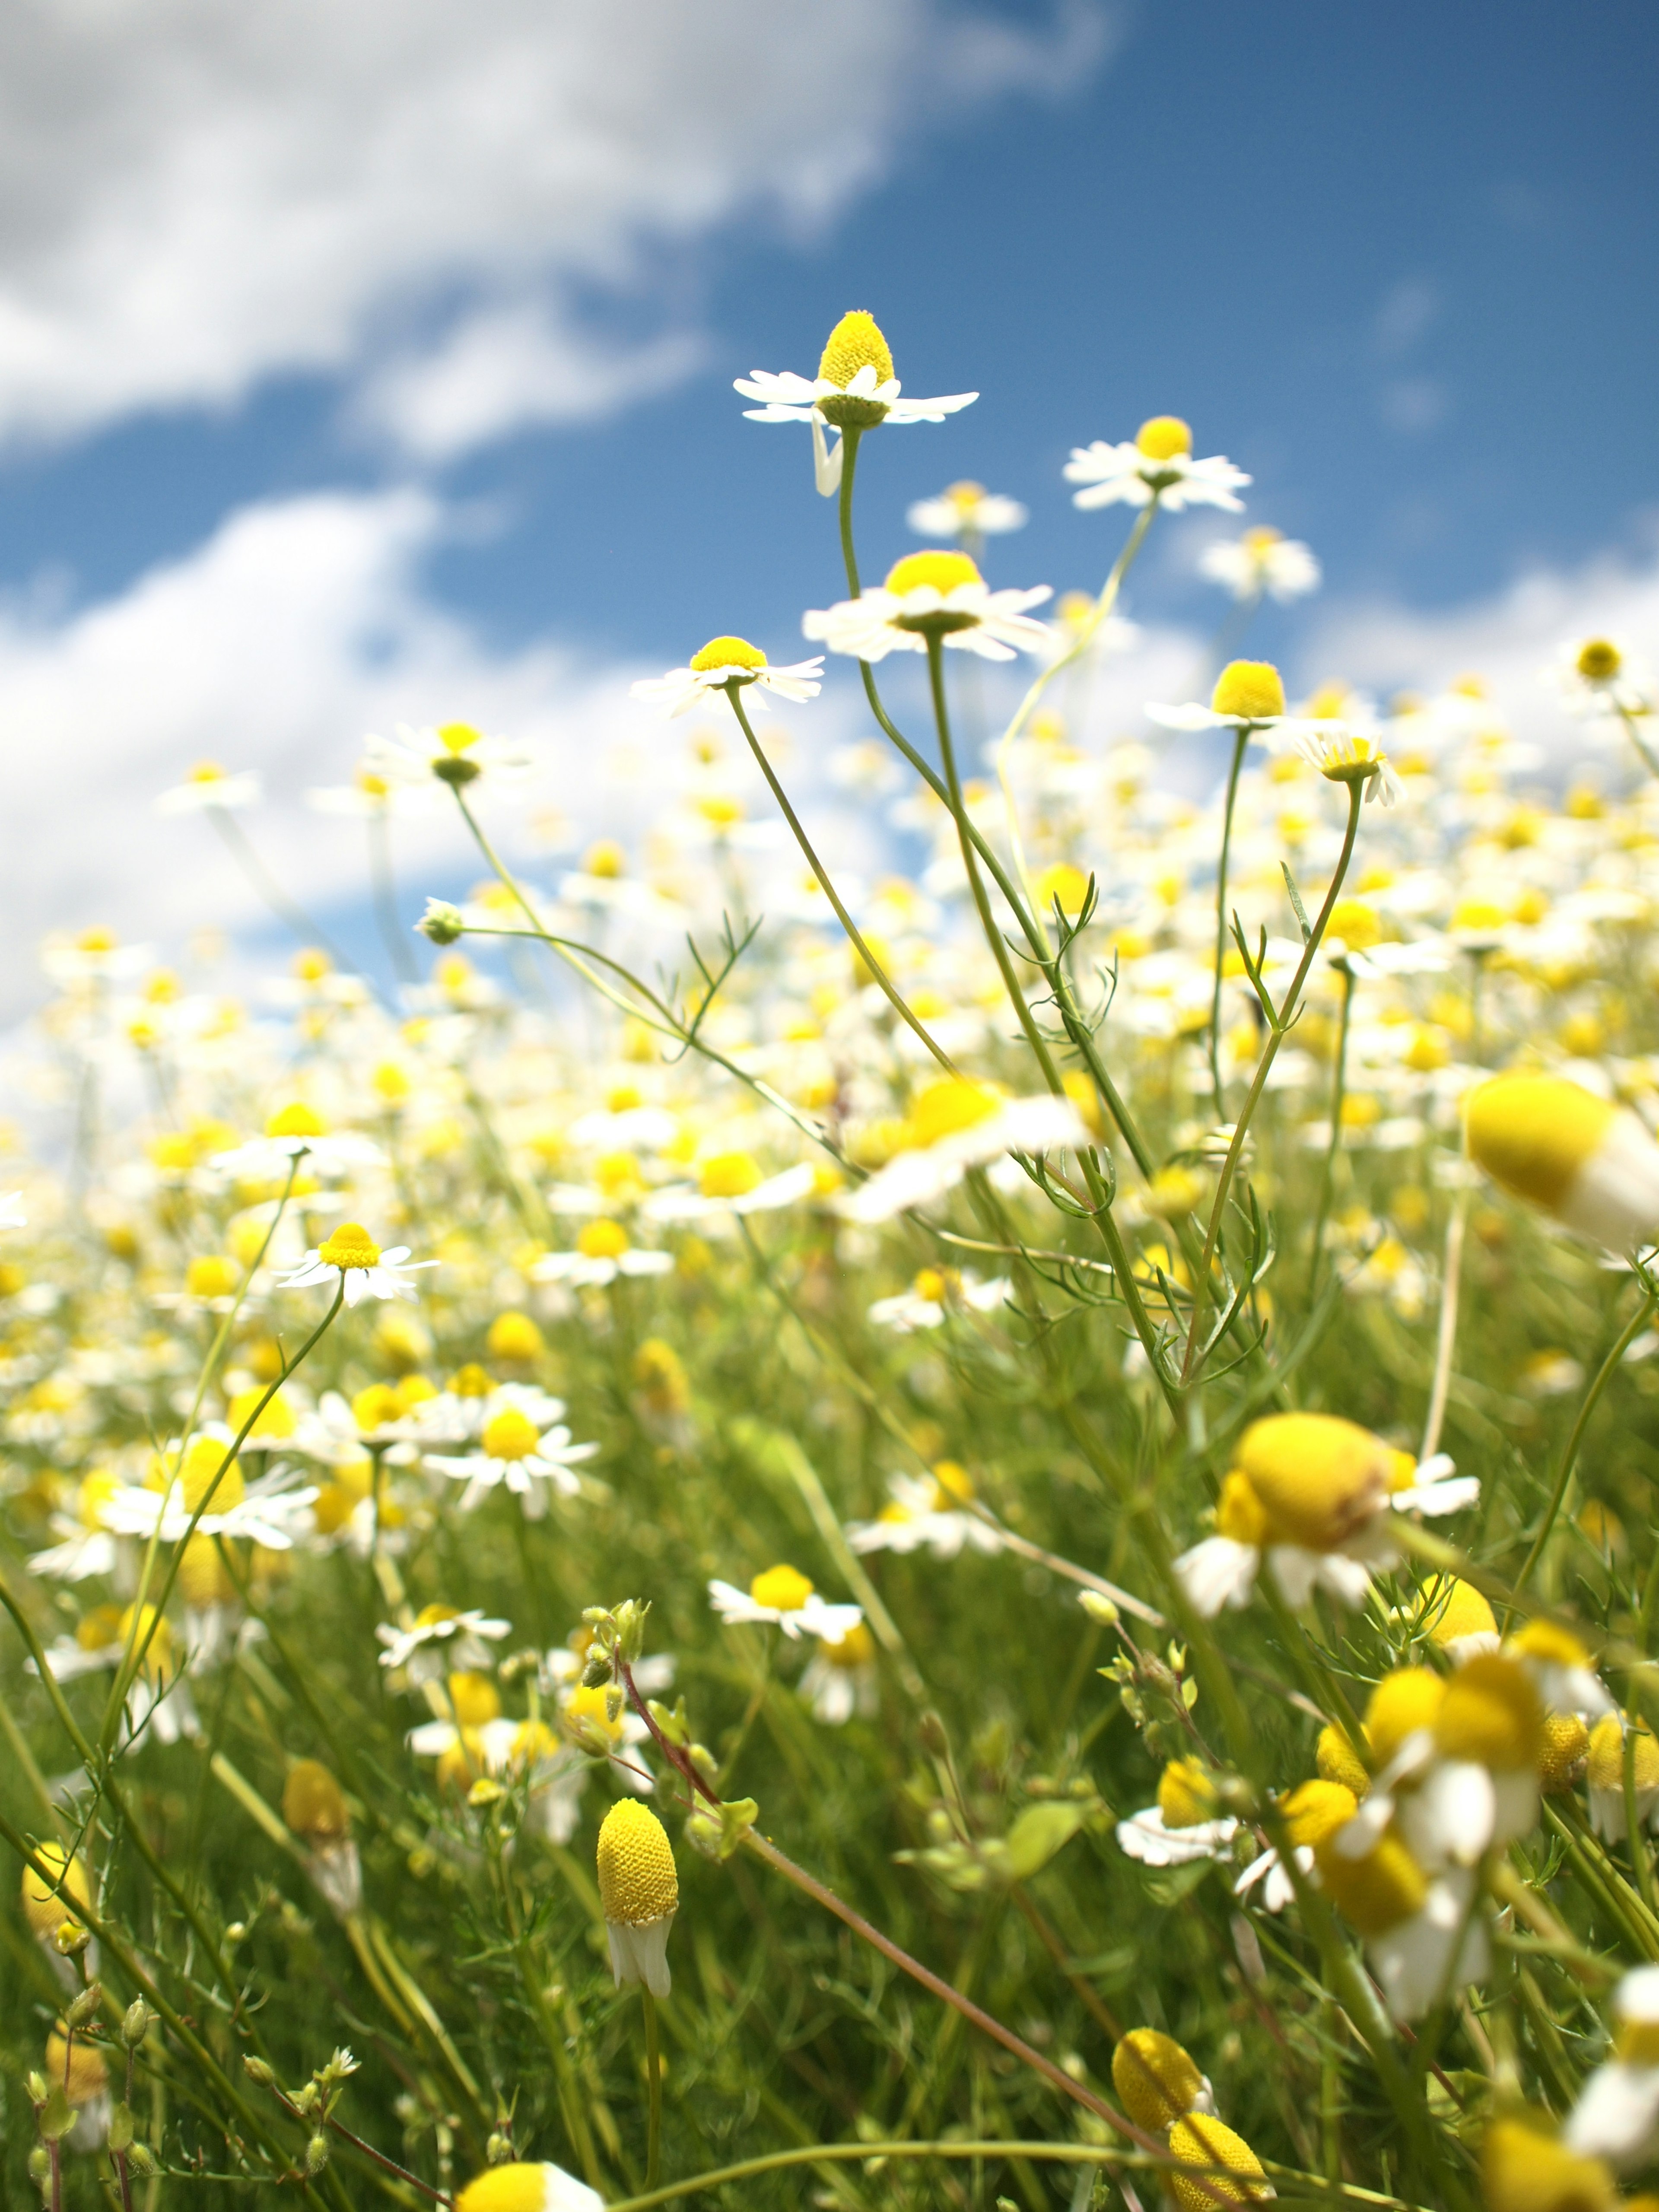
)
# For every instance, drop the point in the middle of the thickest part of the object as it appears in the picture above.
(313, 1803)
(1203, 2140)
(1591, 1165)
(1566, 1746)
(1155, 2079)
(1254, 691)
(1377, 1893)
(1320, 1478)
(1491, 1713)
(1403, 1702)
(1337, 1760)
(855, 342)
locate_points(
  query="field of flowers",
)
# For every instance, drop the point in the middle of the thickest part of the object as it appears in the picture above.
(990, 1545)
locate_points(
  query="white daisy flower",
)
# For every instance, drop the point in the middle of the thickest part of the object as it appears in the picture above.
(1249, 695)
(1261, 561)
(931, 594)
(417, 1646)
(965, 510)
(927, 1511)
(1348, 755)
(1157, 464)
(513, 1451)
(1185, 1825)
(372, 795)
(1600, 676)
(783, 1598)
(731, 1183)
(86, 1547)
(932, 1296)
(208, 785)
(604, 1251)
(1617, 2115)
(726, 660)
(159, 1702)
(455, 753)
(297, 1131)
(841, 1679)
(272, 1511)
(473, 1400)
(855, 389)
(352, 1258)
(954, 1126)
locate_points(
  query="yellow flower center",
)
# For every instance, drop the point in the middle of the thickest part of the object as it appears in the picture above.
(1065, 882)
(1532, 1133)
(728, 653)
(931, 1284)
(602, 1240)
(297, 1120)
(729, 1175)
(97, 1629)
(1355, 921)
(1566, 1743)
(43, 1908)
(1252, 690)
(1452, 1608)
(944, 571)
(1338, 1761)
(510, 1435)
(1185, 1794)
(1241, 1514)
(1262, 538)
(1155, 2078)
(954, 1484)
(313, 1804)
(855, 342)
(780, 1590)
(201, 1464)
(350, 1246)
(135, 1625)
(96, 940)
(206, 771)
(514, 1335)
(211, 1276)
(637, 1881)
(594, 1707)
(964, 496)
(1165, 438)
(79, 2066)
(1202, 2140)
(511, 2188)
(373, 1408)
(275, 1419)
(1606, 1766)
(1599, 660)
(1636, 2038)
(456, 737)
(605, 860)
(1313, 1811)
(1319, 1479)
(96, 1492)
(474, 1700)
(202, 1576)
(944, 1109)
(856, 1649)
(1554, 1646)
(1402, 1703)
(1374, 1893)
(1524, 2168)
(434, 1616)
(1491, 1714)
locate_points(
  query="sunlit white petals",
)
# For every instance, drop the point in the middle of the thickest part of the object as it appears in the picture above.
(272, 1511)
(965, 511)
(812, 1616)
(390, 1276)
(928, 1171)
(995, 625)
(1440, 1946)
(207, 785)
(1262, 562)
(678, 1202)
(682, 689)
(1144, 1836)
(1125, 476)
(441, 1626)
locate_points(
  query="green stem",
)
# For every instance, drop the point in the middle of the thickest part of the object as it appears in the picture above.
(889, 991)
(1338, 1085)
(1241, 738)
(654, 2072)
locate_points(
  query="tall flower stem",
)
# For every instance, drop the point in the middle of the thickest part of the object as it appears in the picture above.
(1241, 738)
(653, 2074)
(889, 989)
(288, 910)
(1328, 1173)
(1451, 1283)
(384, 883)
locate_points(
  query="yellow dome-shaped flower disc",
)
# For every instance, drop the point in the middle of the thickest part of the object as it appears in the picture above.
(944, 571)
(1203, 2140)
(1155, 2079)
(1319, 1478)
(1402, 1703)
(1491, 1713)
(1532, 1133)
(728, 653)
(1252, 690)
(855, 342)
(638, 1883)
(1374, 1893)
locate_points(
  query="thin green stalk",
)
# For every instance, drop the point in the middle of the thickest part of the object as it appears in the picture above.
(1270, 1051)
(1241, 738)
(1625, 1338)
(393, 935)
(1338, 1085)
(287, 910)
(653, 2072)
(889, 989)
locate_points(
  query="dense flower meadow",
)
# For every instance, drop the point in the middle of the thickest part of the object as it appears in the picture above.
(985, 1541)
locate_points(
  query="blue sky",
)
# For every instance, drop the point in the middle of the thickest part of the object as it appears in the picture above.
(1395, 262)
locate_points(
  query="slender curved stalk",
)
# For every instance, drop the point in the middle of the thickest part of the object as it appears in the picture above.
(287, 911)
(1328, 1174)
(384, 881)
(889, 991)
(1241, 738)
(1451, 1282)
(1622, 1343)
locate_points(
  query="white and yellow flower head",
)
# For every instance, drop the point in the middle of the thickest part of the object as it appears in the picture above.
(524, 2188)
(350, 1257)
(1156, 464)
(1262, 561)
(1589, 1164)
(729, 661)
(1608, 1752)
(48, 1906)
(1186, 1824)
(1617, 2115)
(953, 1125)
(1157, 2081)
(639, 1894)
(1455, 1617)
(932, 597)
(783, 1597)
(855, 390)
(1525, 2166)
(1418, 1927)
(965, 511)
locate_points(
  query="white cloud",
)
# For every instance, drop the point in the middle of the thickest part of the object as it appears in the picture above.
(1508, 639)
(195, 197)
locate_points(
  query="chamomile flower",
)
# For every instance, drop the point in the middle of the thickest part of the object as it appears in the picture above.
(928, 1512)
(1314, 1496)
(1617, 2115)
(731, 1183)
(932, 595)
(604, 1251)
(841, 1679)
(1526, 2167)
(1312, 1814)
(296, 1132)
(855, 389)
(726, 660)
(1600, 676)
(454, 752)
(965, 511)
(1261, 561)
(1589, 1164)
(1418, 1928)
(513, 1450)
(1604, 1777)
(85, 1546)
(208, 785)
(1248, 695)
(783, 1598)
(523, 2188)
(352, 1258)
(1184, 1825)
(1560, 1666)
(440, 1638)
(1343, 755)
(954, 1126)
(1156, 464)
(1158, 2082)
(639, 1894)
(272, 1511)
(932, 1296)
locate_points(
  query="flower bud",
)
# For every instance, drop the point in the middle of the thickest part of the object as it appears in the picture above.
(317, 2152)
(134, 2024)
(85, 2007)
(143, 2159)
(257, 2071)
(441, 922)
(40, 2167)
(1100, 1610)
